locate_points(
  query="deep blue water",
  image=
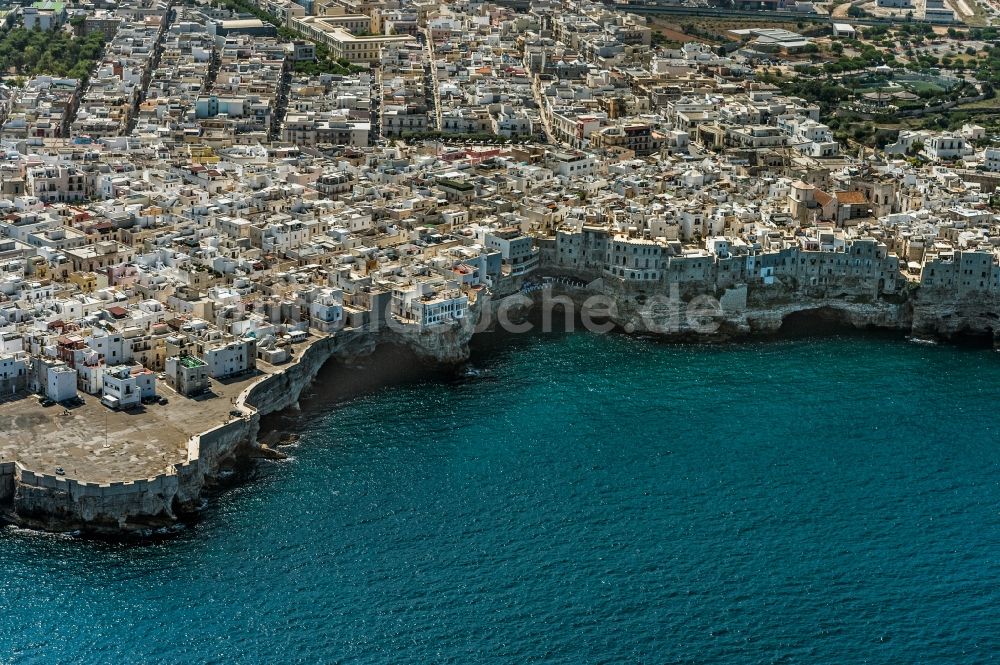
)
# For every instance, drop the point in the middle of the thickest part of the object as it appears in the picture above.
(587, 500)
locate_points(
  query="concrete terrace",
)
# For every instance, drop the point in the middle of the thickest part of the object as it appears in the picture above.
(137, 444)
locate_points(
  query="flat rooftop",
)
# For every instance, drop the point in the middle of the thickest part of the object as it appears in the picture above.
(191, 362)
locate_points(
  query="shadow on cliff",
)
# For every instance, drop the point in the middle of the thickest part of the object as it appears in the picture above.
(973, 338)
(392, 365)
(825, 322)
(339, 381)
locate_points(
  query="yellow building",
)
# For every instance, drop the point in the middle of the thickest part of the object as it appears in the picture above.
(343, 45)
(38, 268)
(88, 282)
(203, 154)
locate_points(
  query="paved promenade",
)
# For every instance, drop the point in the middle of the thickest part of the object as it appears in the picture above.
(95, 444)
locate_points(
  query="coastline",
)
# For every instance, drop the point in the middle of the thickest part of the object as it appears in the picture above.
(143, 506)
(140, 506)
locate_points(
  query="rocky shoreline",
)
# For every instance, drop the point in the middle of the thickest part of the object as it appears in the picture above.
(52, 503)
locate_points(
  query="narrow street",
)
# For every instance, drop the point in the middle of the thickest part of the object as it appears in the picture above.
(281, 103)
(151, 66)
(436, 95)
(536, 89)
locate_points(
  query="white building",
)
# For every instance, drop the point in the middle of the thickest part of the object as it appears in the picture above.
(946, 146)
(13, 373)
(60, 384)
(845, 30)
(992, 159)
(326, 311)
(423, 304)
(231, 359)
(518, 253)
(122, 388)
(572, 164)
(636, 259)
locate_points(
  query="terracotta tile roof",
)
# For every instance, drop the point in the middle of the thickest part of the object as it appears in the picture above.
(851, 198)
(822, 197)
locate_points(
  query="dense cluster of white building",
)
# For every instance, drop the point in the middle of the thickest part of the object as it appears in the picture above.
(198, 207)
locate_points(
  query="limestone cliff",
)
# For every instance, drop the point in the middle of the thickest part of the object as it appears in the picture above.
(938, 314)
(446, 344)
(59, 503)
(707, 314)
(699, 312)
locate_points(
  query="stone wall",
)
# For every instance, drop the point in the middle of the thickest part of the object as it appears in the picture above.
(55, 502)
(6, 481)
(60, 502)
(220, 443)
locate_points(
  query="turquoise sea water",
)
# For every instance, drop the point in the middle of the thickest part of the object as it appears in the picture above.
(587, 499)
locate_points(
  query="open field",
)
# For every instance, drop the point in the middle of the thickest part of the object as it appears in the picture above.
(671, 31)
(673, 28)
(969, 11)
(923, 87)
(95, 444)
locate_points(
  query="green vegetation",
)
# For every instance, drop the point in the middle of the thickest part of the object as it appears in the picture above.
(915, 149)
(986, 66)
(924, 88)
(244, 7)
(886, 36)
(325, 64)
(484, 137)
(191, 362)
(29, 52)
(988, 34)
(845, 69)
(827, 94)
(661, 41)
(695, 30)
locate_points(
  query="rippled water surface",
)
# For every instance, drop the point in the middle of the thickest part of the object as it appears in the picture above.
(584, 499)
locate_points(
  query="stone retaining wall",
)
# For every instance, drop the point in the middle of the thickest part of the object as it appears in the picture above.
(6, 481)
(60, 502)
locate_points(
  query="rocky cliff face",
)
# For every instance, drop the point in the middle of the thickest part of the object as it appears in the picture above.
(61, 504)
(757, 309)
(941, 315)
(713, 315)
(704, 314)
(55, 509)
(447, 344)
(282, 389)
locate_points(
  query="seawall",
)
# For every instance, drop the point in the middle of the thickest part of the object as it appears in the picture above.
(58, 503)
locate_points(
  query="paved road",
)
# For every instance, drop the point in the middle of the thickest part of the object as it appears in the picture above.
(429, 43)
(762, 15)
(536, 89)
